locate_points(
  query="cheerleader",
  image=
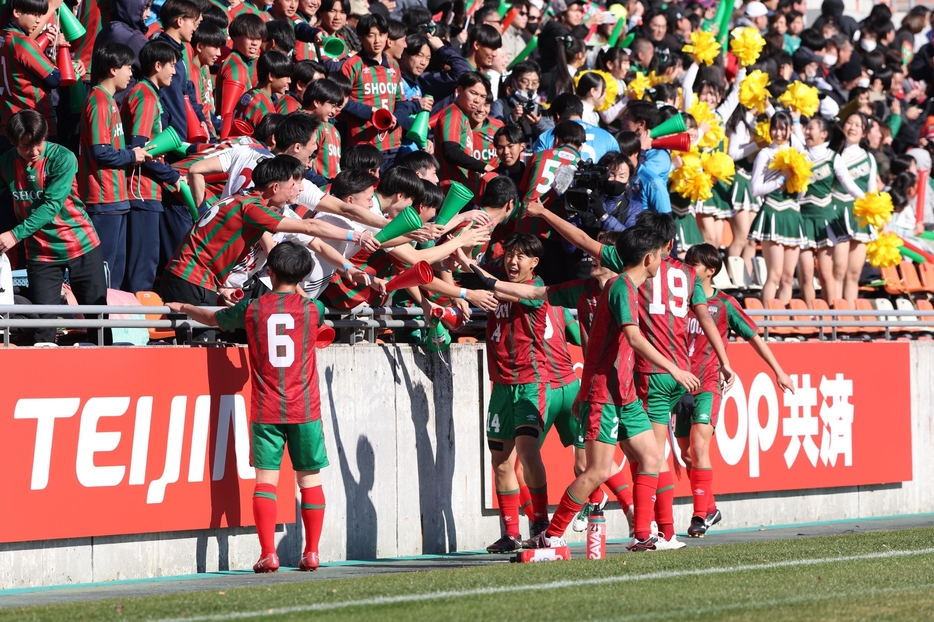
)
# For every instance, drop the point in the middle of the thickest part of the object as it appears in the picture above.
(682, 208)
(614, 61)
(855, 162)
(777, 226)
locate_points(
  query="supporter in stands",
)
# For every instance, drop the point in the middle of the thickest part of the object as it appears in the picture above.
(569, 107)
(179, 19)
(206, 44)
(247, 31)
(273, 76)
(454, 135)
(521, 105)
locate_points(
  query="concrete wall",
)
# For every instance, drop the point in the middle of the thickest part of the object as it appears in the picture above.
(404, 437)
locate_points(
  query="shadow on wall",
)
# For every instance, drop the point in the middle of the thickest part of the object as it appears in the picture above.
(361, 513)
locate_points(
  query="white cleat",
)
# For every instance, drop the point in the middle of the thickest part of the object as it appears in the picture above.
(668, 545)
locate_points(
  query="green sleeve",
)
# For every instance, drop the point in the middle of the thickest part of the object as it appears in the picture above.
(61, 170)
(572, 329)
(623, 302)
(740, 323)
(609, 258)
(566, 294)
(320, 307)
(895, 123)
(234, 317)
(698, 297)
(534, 304)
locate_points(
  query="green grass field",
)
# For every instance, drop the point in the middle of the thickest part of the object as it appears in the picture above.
(885, 575)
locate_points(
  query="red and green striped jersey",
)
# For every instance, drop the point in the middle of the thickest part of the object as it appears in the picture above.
(93, 15)
(517, 334)
(303, 50)
(582, 295)
(142, 116)
(221, 238)
(287, 104)
(555, 348)
(454, 126)
(24, 66)
(537, 183)
(254, 106)
(100, 125)
(238, 68)
(52, 222)
(376, 85)
(281, 331)
(246, 7)
(664, 303)
(327, 162)
(483, 148)
(381, 264)
(608, 374)
(204, 90)
(727, 315)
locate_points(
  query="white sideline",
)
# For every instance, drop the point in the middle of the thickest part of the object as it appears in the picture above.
(486, 591)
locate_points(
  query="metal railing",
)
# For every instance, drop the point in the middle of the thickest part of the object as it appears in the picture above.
(370, 319)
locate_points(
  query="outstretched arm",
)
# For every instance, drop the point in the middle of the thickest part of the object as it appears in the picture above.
(766, 354)
(568, 231)
(202, 315)
(713, 336)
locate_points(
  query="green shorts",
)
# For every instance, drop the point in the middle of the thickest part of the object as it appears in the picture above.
(609, 423)
(515, 405)
(305, 441)
(703, 408)
(561, 415)
(661, 393)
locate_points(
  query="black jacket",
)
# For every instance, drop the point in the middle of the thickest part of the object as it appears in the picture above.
(126, 26)
(173, 96)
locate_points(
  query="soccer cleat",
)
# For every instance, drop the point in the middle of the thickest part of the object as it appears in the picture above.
(631, 519)
(270, 563)
(506, 544)
(654, 528)
(537, 528)
(698, 527)
(638, 546)
(661, 544)
(580, 521)
(308, 562)
(713, 519)
(544, 541)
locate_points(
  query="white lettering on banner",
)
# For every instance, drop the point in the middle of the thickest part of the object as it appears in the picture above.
(45, 412)
(800, 425)
(173, 451)
(140, 453)
(233, 407)
(199, 438)
(90, 442)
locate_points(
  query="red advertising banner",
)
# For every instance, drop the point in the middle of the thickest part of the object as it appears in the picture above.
(847, 424)
(124, 441)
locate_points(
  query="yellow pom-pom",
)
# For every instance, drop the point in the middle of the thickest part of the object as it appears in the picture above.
(753, 92)
(746, 45)
(703, 47)
(612, 88)
(883, 251)
(801, 97)
(638, 86)
(655, 78)
(720, 166)
(798, 165)
(875, 209)
(713, 137)
(691, 181)
(763, 132)
(705, 116)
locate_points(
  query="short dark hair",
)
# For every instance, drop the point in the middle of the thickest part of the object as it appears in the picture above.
(156, 52)
(813, 40)
(637, 242)
(499, 192)
(571, 133)
(566, 105)
(209, 35)
(281, 33)
(342, 81)
(486, 36)
(289, 262)
(370, 21)
(110, 56)
(325, 90)
(513, 134)
(296, 129)
(397, 29)
(398, 180)
(608, 238)
(415, 17)
(351, 181)
(31, 7)
(472, 78)
(663, 224)
(643, 111)
(433, 197)
(705, 254)
(414, 44)
(629, 143)
(362, 156)
(27, 125)
(527, 244)
(304, 71)
(278, 169)
(525, 67)
(273, 63)
(215, 16)
(267, 127)
(247, 25)
(177, 9)
(418, 161)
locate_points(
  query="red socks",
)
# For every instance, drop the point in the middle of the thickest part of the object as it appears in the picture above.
(525, 501)
(567, 510)
(700, 490)
(596, 497)
(643, 494)
(711, 500)
(264, 514)
(509, 510)
(620, 490)
(664, 502)
(312, 516)
(539, 503)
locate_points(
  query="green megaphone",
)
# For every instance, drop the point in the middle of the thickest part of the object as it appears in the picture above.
(406, 222)
(439, 339)
(185, 190)
(674, 125)
(166, 141)
(418, 133)
(71, 27)
(457, 197)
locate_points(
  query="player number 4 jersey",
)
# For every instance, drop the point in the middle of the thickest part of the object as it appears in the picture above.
(727, 315)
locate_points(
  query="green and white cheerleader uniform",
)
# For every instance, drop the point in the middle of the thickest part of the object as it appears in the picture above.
(859, 165)
(742, 149)
(779, 219)
(682, 210)
(817, 210)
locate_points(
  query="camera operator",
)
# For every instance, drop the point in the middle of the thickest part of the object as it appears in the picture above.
(521, 105)
(597, 200)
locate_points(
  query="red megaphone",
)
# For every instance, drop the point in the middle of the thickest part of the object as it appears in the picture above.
(326, 336)
(419, 274)
(675, 142)
(232, 93)
(240, 128)
(382, 120)
(66, 68)
(451, 317)
(507, 21)
(44, 41)
(196, 133)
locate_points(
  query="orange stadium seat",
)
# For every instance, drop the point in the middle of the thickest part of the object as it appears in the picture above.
(863, 304)
(775, 304)
(910, 276)
(925, 305)
(820, 304)
(926, 274)
(797, 304)
(727, 238)
(842, 305)
(893, 281)
(754, 304)
(152, 299)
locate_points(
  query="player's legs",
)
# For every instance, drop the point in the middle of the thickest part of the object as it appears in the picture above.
(702, 420)
(266, 447)
(530, 408)
(500, 431)
(642, 449)
(662, 395)
(308, 454)
(806, 271)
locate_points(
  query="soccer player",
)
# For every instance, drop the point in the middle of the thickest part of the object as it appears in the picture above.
(206, 44)
(285, 407)
(324, 99)
(273, 74)
(102, 179)
(375, 78)
(28, 76)
(454, 135)
(142, 117)
(52, 223)
(247, 31)
(694, 427)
